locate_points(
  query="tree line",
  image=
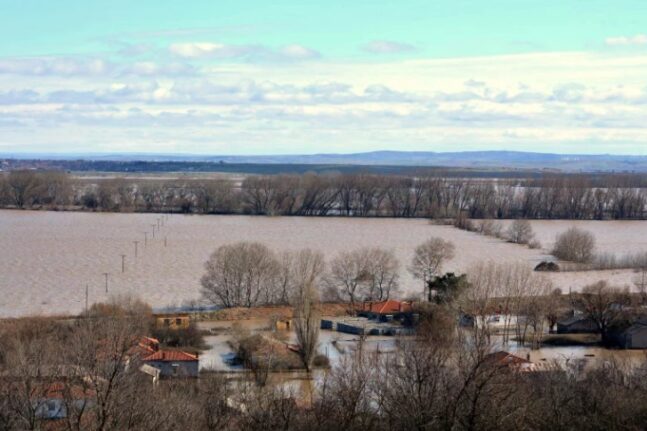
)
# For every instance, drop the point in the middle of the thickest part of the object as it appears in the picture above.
(595, 197)
(248, 274)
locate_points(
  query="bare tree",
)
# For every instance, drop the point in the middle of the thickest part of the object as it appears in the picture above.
(429, 257)
(297, 269)
(22, 187)
(640, 280)
(552, 304)
(605, 306)
(520, 232)
(575, 245)
(306, 322)
(367, 274)
(384, 273)
(345, 399)
(56, 189)
(243, 274)
(348, 272)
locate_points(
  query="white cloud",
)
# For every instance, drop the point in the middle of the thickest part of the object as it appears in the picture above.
(89, 67)
(62, 66)
(535, 100)
(387, 47)
(639, 39)
(299, 52)
(206, 50)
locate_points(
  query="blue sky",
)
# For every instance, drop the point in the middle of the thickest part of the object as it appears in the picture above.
(258, 77)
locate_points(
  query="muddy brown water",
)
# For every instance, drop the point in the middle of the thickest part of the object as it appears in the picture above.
(47, 258)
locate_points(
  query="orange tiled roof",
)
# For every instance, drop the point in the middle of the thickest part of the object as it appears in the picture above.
(61, 390)
(170, 356)
(146, 346)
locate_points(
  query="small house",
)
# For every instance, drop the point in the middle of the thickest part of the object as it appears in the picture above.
(51, 401)
(172, 320)
(53, 391)
(173, 363)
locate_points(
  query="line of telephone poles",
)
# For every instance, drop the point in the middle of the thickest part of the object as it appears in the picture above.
(160, 223)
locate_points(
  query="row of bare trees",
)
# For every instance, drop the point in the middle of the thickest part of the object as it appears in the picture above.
(247, 274)
(27, 189)
(360, 195)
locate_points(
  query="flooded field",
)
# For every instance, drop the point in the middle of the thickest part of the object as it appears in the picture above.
(47, 258)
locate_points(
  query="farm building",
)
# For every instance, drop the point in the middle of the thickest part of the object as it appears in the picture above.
(172, 320)
(577, 325)
(631, 337)
(365, 326)
(387, 311)
(173, 363)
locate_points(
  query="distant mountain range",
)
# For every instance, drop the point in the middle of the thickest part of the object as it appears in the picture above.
(466, 159)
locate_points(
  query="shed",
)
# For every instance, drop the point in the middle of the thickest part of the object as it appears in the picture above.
(172, 320)
(632, 337)
(577, 325)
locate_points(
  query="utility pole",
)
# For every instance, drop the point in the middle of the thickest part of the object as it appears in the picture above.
(136, 243)
(153, 230)
(105, 274)
(123, 263)
(145, 238)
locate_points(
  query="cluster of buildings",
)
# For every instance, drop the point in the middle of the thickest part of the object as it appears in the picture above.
(388, 317)
(631, 335)
(52, 390)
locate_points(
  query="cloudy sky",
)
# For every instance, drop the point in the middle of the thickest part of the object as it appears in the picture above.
(277, 77)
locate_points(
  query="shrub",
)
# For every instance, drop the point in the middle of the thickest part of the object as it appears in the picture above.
(575, 245)
(490, 228)
(534, 244)
(520, 232)
(464, 223)
(190, 337)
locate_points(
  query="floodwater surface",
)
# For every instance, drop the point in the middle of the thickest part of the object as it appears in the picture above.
(48, 258)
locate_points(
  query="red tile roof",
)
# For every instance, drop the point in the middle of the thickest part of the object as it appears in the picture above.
(146, 346)
(389, 306)
(61, 390)
(170, 356)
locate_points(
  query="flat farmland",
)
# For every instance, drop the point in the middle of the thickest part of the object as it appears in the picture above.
(47, 258)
